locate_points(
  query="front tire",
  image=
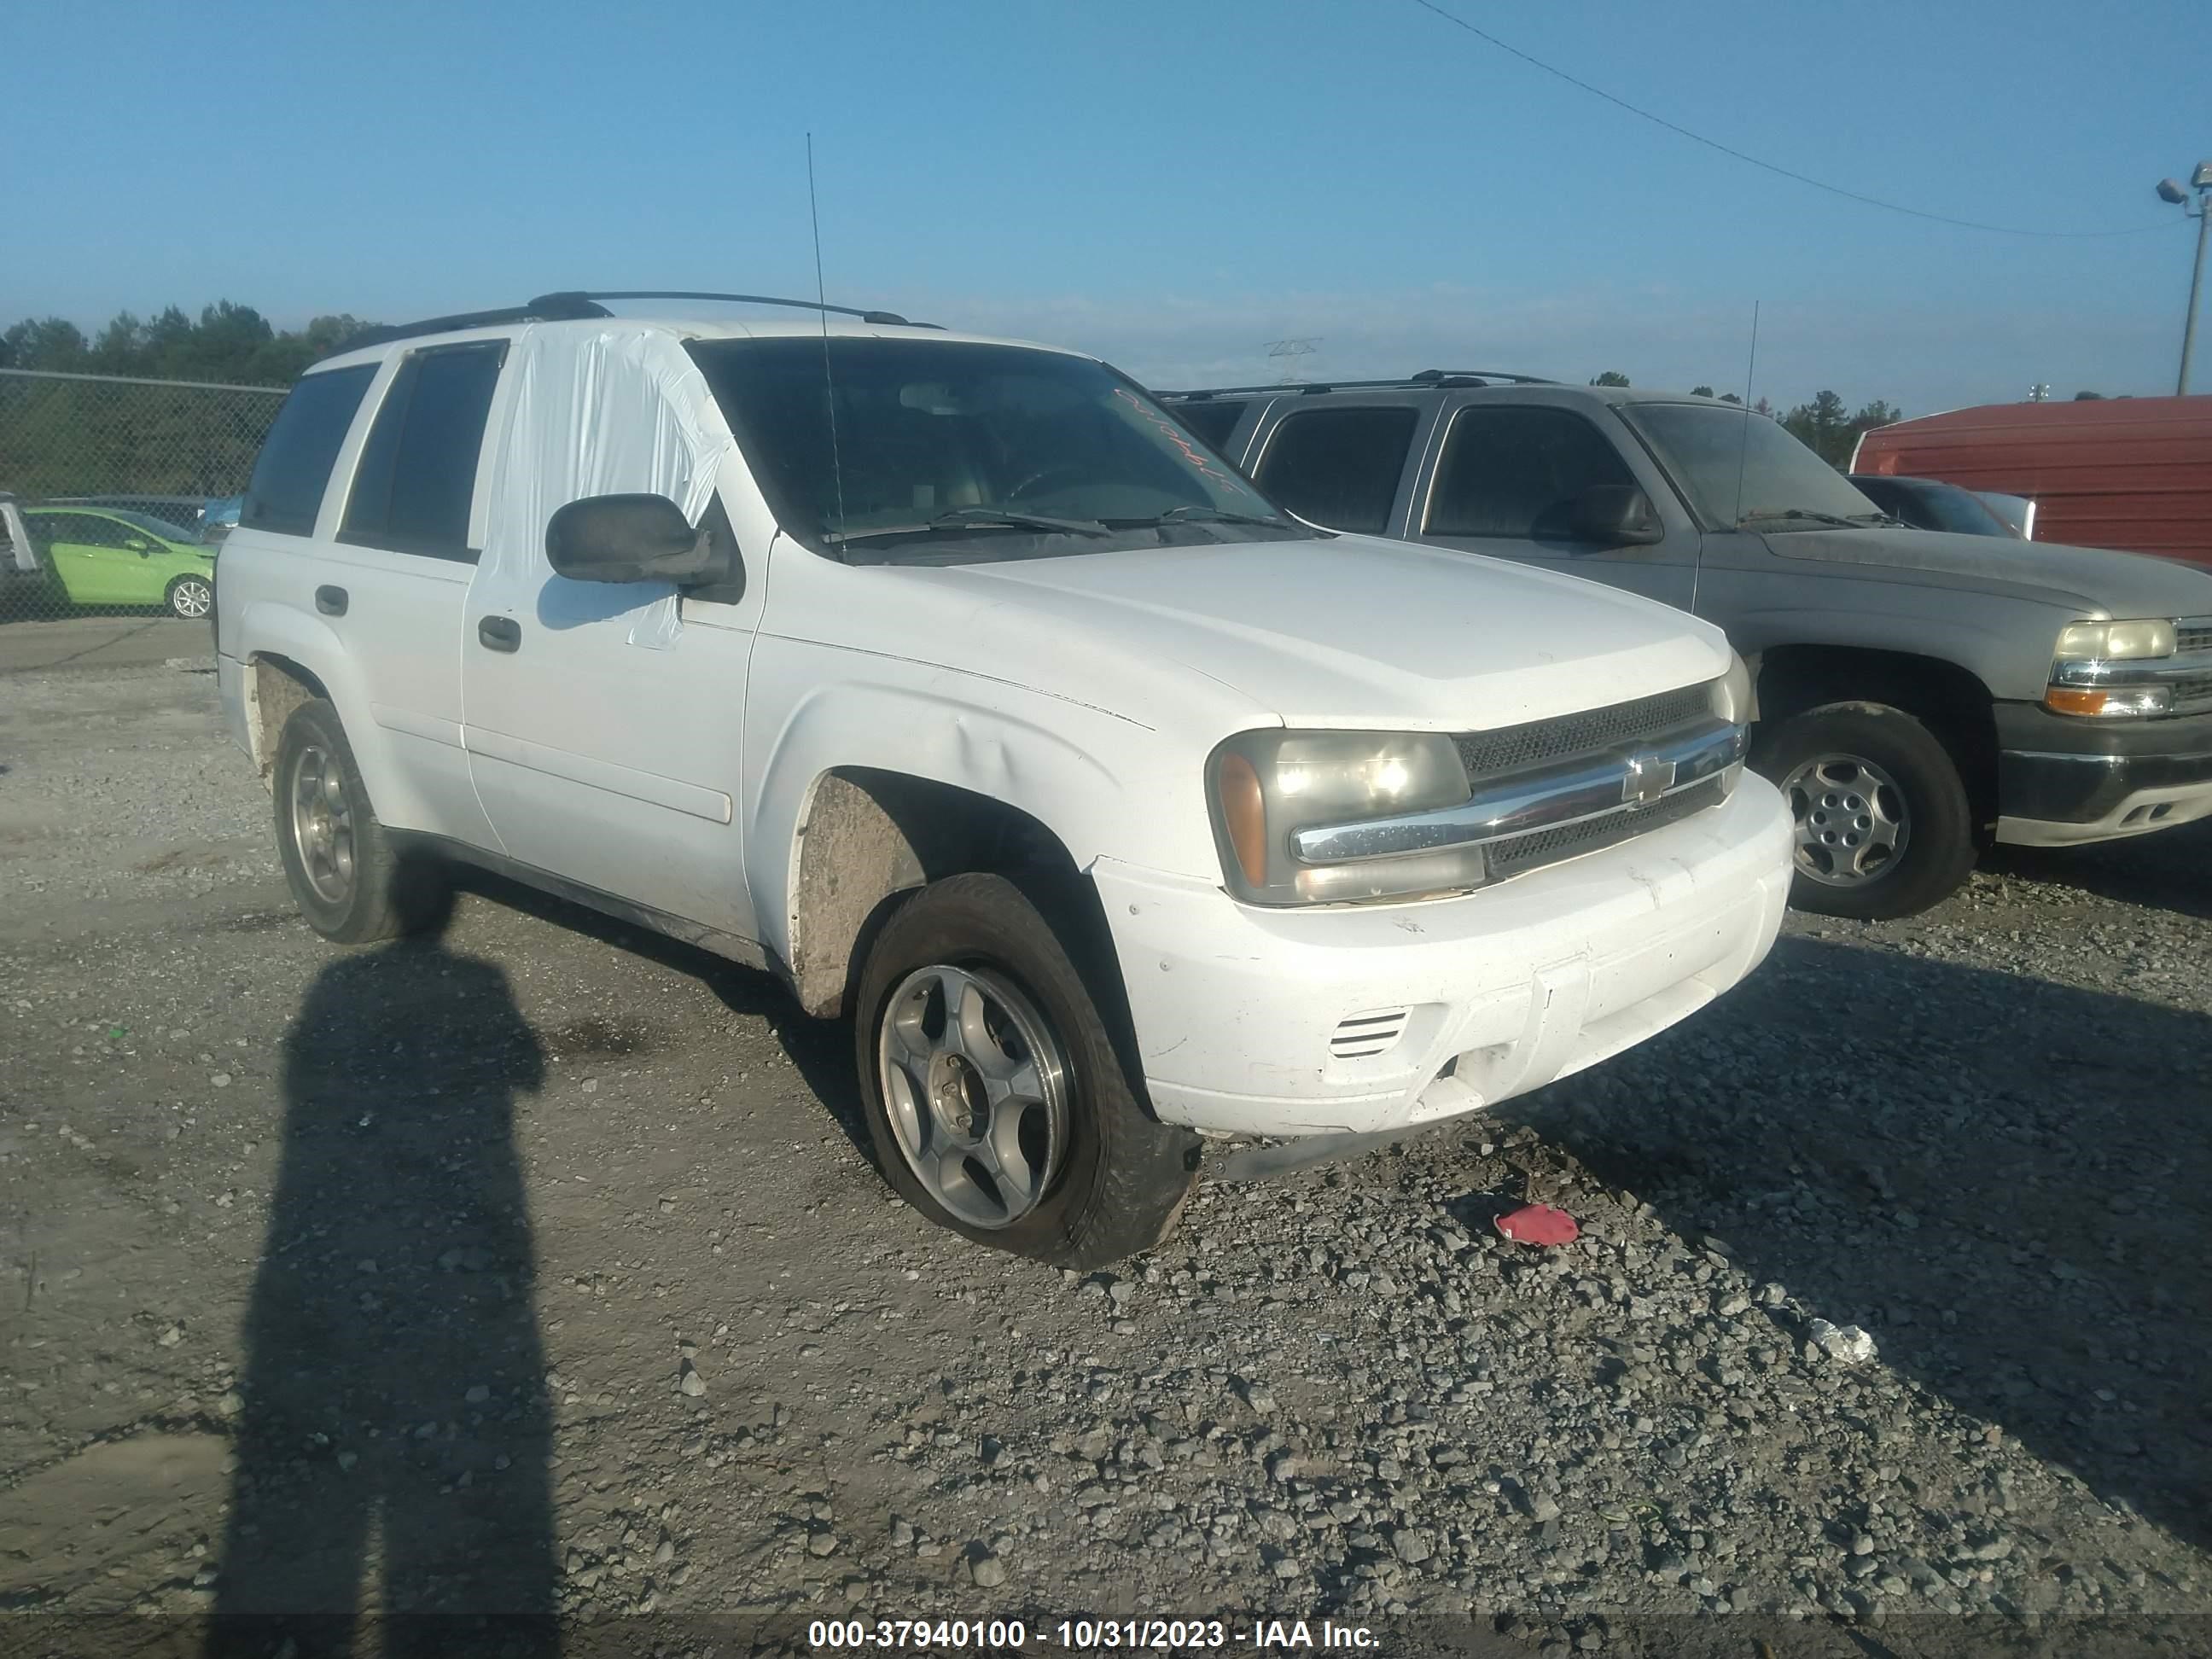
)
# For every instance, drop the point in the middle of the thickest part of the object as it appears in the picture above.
(1884, 827)
(994, 1096)
(351, 882)
(190, 597)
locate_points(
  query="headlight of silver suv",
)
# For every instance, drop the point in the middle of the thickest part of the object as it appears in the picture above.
(1266, 784)
(2113, 670)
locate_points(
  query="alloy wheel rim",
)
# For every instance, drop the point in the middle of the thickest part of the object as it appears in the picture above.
(1853, 821)
(191, 598)
(322, 825)
(975, 1086)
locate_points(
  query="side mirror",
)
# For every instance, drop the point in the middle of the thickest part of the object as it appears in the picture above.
(1614, 515)
(631, 538)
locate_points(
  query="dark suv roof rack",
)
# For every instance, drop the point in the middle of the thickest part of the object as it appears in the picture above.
(573, 305)
(1448, 378)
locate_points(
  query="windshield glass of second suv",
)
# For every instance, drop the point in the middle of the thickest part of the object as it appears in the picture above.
(946, 452)
(1741, 468)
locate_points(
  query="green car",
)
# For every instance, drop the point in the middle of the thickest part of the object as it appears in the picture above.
(106, 555)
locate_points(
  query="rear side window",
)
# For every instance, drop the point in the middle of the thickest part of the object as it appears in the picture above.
(1517, 472)
(418, 468)
(1339, 467)
(1210, 419)
(293, 467)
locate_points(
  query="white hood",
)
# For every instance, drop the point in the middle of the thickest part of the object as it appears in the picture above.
(1348, 632)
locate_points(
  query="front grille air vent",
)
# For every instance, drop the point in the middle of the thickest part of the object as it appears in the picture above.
(1510, 748)
(1362, 1036)
(1542, 847)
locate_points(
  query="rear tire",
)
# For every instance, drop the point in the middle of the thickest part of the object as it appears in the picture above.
(1884, 826)
(995, 1095)
(352, 883)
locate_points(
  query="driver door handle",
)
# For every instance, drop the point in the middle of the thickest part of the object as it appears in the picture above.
(500, 634)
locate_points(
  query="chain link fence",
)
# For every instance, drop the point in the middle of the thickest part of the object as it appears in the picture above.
(115, 494)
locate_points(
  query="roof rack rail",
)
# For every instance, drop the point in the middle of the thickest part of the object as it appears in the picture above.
(1476, 377)
(573, 304)
(1448, 378)
(889, 319)
(460, 319)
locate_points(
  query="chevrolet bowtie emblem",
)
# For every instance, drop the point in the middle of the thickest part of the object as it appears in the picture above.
(1648, 778)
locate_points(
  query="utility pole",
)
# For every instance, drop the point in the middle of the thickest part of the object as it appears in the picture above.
(2168, 190)
(2196, 282)
(1287, 353)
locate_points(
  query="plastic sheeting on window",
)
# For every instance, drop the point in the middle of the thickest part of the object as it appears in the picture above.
(599, 414)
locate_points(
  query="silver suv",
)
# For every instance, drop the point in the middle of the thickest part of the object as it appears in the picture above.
(1918, 694)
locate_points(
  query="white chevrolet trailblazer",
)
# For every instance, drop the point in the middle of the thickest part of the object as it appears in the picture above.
(956, 682)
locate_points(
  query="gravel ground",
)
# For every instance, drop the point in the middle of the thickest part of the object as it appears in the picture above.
(539, 1269)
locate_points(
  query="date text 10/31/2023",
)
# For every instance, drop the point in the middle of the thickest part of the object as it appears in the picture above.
(1086, 1634)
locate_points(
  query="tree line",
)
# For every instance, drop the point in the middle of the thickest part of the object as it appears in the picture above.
(62, 437)
(236, 345)
(233, 343)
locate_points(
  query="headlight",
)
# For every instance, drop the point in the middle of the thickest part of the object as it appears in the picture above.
(2114, 641)
(1264, 785)
(2088, 671)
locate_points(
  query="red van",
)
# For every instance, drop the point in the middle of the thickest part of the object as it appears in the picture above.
(2133, 473)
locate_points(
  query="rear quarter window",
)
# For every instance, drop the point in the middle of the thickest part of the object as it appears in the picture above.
(1212, 419)
(293, 467)
(1339, 467)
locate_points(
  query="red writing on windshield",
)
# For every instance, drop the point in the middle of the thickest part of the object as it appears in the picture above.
(1175, 435)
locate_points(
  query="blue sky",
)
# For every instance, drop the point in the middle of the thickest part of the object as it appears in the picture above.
(1170, 183)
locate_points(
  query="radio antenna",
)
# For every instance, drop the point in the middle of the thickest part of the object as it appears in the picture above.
(1744, 449)
(828, 384)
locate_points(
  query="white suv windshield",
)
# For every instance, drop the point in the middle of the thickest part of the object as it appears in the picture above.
(1739, 466)
(944, 450)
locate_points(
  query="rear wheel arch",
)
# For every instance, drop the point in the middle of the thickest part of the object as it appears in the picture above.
(278, 686)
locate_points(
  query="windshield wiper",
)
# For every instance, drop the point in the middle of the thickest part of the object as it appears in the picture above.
(1877, 519)
(979, 518)
(1196, 513)
(1805, 514)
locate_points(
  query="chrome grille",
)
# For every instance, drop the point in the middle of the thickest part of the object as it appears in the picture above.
(2193, 693)
(1523, 853)
(1510, 748)
(2192, 634)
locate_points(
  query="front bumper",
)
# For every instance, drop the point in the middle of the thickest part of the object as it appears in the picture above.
(1367, 1018)
(2063, 781)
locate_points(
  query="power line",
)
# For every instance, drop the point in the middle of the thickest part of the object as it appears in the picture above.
(1770, 166)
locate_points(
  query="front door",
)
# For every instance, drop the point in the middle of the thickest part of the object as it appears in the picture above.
(603, 728)
(1506, 478)
(93, 556)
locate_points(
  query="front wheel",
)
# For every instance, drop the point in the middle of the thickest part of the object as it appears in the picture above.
(1884, 827)
(190, 597)
(996, 1100)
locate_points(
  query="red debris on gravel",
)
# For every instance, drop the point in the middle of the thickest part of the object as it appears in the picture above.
(1539, 1223)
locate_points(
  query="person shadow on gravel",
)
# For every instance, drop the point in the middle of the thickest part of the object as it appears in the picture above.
(393, 1444)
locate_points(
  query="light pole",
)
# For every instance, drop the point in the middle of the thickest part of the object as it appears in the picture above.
(2201, 182)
